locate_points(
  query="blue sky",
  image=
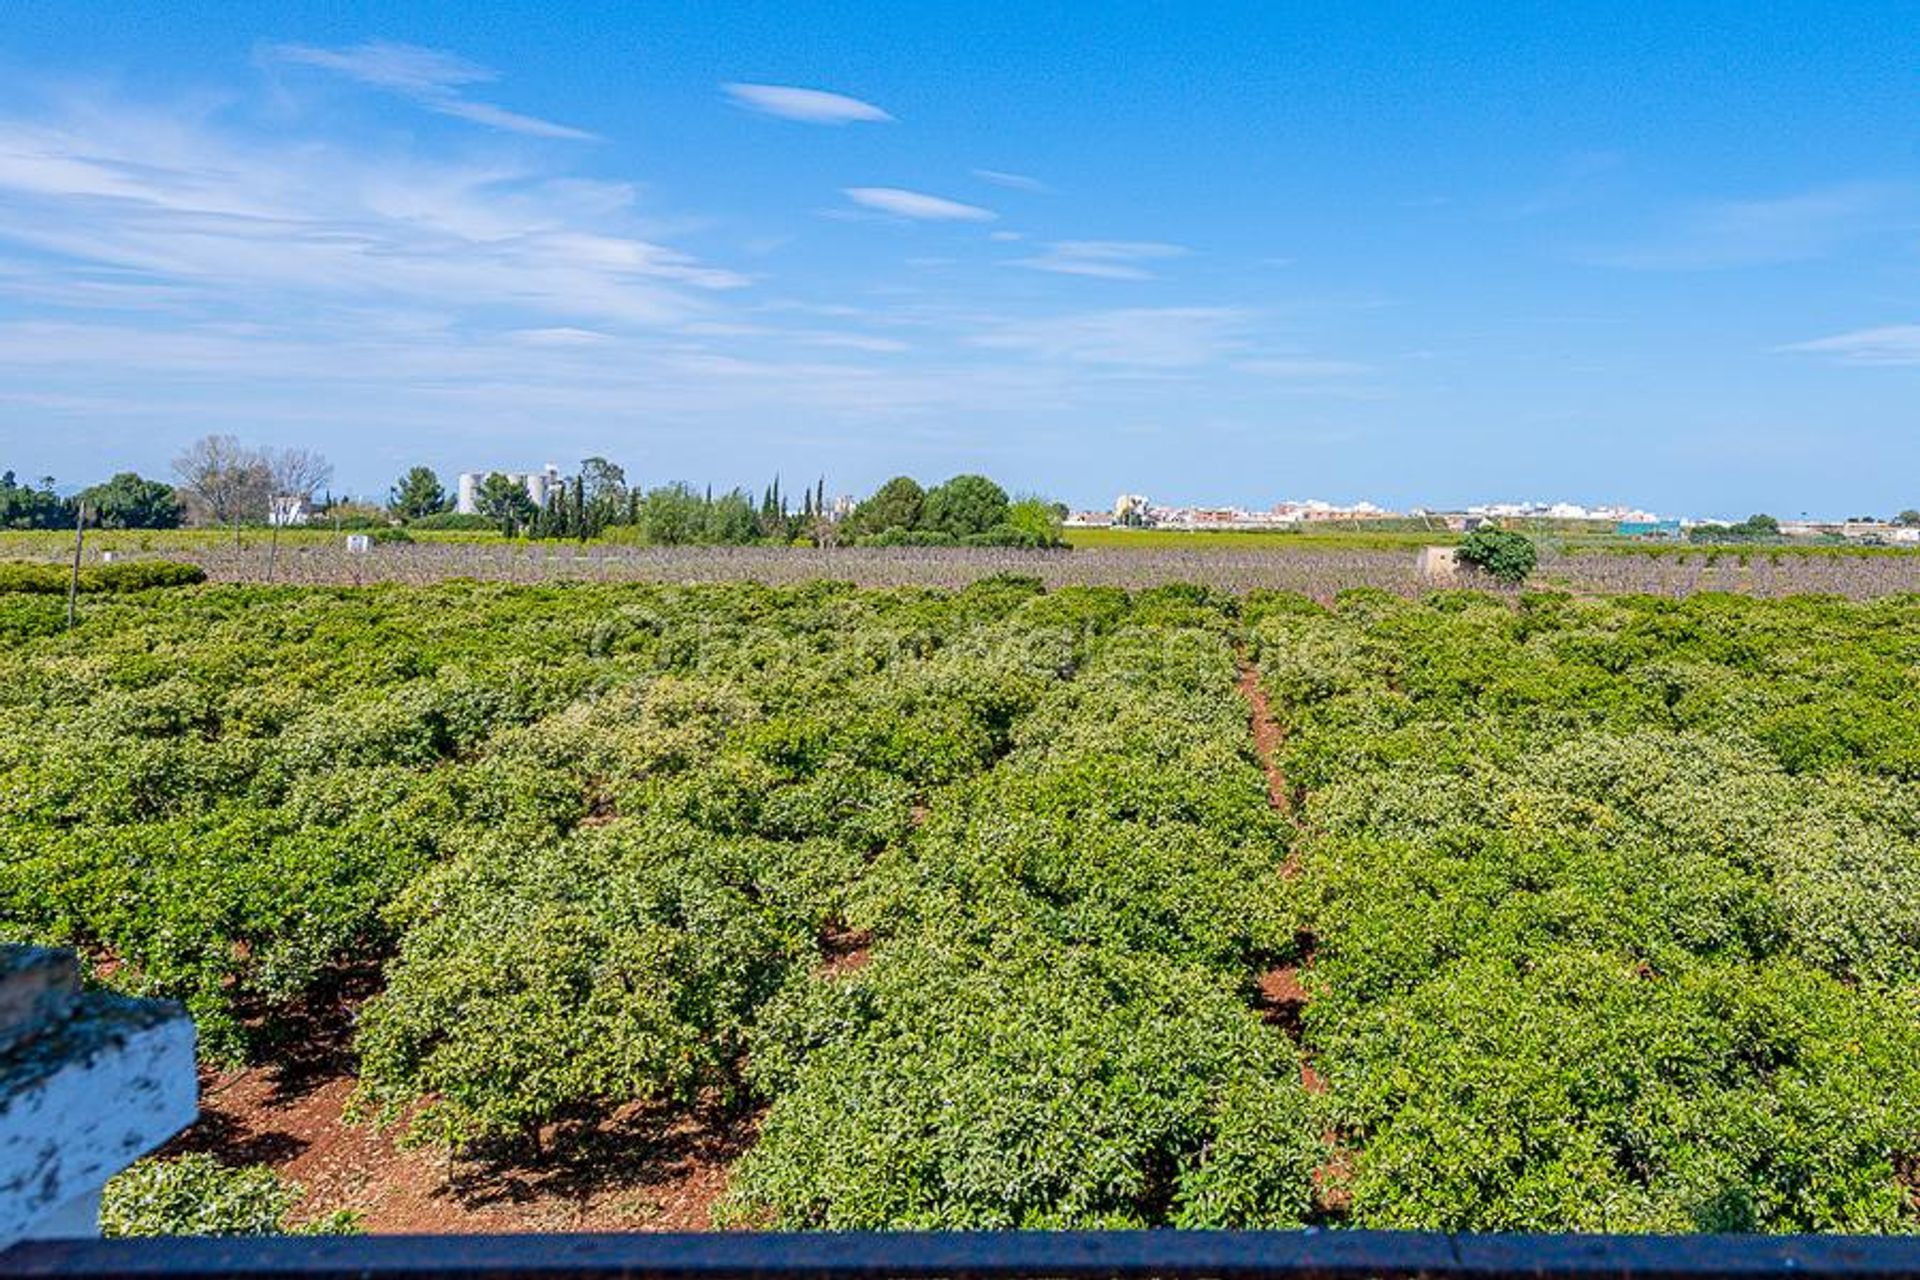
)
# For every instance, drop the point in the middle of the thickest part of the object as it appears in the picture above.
(1236, 252)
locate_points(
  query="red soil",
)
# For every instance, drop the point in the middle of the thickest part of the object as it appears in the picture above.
(644, 1169)
(843, 951)
(1282, 998)
(1268, 738)
(1283, 1002)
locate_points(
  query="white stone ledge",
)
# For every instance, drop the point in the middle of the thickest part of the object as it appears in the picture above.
(82, 1101)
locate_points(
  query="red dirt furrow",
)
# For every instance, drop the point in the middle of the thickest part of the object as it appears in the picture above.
(1282, 998)
(844, 951)
(1283, 1003)
(1268, 738)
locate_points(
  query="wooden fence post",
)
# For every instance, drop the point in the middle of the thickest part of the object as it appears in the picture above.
(79, 544)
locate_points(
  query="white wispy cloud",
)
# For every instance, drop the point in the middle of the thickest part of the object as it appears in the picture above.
(167, 269)
(809, 106)
(179, 210)
(559, 336)
(1302, 367)
(1890, 345)
(1012, 181)
(431, 77)
(917, 205)
(840, 339)
(1103, 259)
(1158, 338)
(1743, 233)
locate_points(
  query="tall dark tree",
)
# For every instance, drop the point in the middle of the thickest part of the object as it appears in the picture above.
(128, 501)
(964, 506)
(775, 523)
(418, 494)
(897, 504)
(507, 504)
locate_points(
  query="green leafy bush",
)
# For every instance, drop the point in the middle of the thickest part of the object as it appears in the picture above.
(1501, 554)
(1030, 1087)
(453, 521)
(132, 575)
(196, 1195)
(1606, 910)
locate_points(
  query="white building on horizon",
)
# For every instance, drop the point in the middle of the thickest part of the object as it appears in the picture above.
(542, 486)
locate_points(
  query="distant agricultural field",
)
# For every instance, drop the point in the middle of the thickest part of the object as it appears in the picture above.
(1315, 564)
(1012, 906)
(1295, 540)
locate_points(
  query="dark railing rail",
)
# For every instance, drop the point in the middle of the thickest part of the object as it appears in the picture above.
(1124, 1255)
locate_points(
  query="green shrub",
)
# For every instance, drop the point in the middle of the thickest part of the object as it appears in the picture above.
(453, 521)
(196, 1195)
(33, 578)
(1501, 554)
(1035, 1087)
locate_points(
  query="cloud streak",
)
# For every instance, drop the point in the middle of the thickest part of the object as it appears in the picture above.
(1102, 259)
(917, 205)
(1011, 181)
(808, 106)
(1154, 338)
(186, 215)
(1890, 345)
(1747, 233)
(431, 77)
(1288, 368)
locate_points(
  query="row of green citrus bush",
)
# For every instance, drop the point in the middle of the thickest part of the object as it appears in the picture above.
(1616, 906)
(556, 971)
(225, 794)
(1056, 1027)
(39, 578)
(595, 845)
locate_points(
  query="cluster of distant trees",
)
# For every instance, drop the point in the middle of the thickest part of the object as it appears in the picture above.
(967, 510)
(221, 481)
(218, 480)
(1765, 528)
(598, 501)
(1755, 528)
(125, 502)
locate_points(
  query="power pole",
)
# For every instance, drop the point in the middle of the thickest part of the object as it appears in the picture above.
(79, 545)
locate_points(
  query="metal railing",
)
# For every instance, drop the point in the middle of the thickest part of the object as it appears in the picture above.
(1132, 1255)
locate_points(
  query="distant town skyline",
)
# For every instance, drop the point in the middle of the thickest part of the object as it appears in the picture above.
(1399, 253)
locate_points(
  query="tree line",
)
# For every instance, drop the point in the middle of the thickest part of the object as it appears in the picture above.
(221, 481)
(598, 501)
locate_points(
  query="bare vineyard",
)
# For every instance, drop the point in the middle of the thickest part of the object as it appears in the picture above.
(1319, 573)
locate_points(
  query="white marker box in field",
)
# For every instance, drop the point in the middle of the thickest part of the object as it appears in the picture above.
(359, 544)
(1440, 565)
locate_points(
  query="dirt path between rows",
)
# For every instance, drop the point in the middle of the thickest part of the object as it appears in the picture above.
(1268, 737)
(1281, 996)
